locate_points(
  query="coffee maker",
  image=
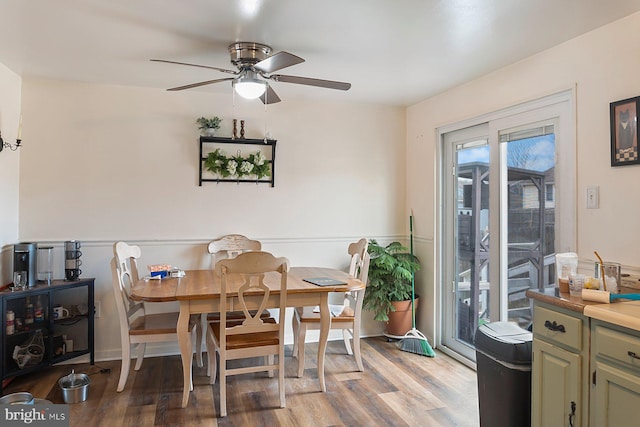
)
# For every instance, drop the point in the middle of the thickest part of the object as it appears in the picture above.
(24, 259)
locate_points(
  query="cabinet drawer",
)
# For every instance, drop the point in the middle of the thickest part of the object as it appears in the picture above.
(617, 345)
(559, 328)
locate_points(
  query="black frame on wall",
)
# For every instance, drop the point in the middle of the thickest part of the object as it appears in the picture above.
(624, 131)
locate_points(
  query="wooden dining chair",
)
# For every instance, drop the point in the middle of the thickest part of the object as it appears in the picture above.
(127, 258)
(346, 317)
(230, 246)
(226, 247)
(242, 281)
(137, 327)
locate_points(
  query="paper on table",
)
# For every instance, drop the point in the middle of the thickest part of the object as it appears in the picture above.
(324, 281)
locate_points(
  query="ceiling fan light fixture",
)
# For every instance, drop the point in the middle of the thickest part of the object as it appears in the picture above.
(249, 86)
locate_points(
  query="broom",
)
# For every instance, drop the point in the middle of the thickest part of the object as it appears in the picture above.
(414, 341)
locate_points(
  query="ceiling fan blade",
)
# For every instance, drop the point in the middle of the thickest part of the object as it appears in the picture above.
(329, 84)
(208, 82)
(270, 96)
(196, 65)
(278, 61)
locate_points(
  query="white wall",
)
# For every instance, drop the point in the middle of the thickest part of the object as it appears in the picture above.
(10, 85)
(603, 69)
(104, 163)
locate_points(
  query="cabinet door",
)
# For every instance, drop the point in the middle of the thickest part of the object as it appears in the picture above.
(617, 397)
(556, 391)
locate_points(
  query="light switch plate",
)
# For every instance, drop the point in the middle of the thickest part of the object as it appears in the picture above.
(592, 198)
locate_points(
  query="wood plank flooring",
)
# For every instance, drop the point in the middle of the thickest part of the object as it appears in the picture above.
(397, 389)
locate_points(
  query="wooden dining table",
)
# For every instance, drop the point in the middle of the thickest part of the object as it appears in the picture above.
(198, 292)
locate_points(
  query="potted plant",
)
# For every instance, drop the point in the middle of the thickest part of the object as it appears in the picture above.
(388, 293)
(209, 125)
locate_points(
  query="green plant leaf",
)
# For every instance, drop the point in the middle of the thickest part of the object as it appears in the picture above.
(254, 165)
(209, 122)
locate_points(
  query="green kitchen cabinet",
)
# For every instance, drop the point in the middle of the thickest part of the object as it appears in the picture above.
(560, 395)
(615, 375)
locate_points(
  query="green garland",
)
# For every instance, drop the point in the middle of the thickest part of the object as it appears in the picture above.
(255, 164)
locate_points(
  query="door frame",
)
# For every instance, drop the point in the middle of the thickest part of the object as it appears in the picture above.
(561, 105)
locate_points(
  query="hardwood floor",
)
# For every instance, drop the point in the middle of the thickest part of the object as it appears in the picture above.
(397, 389)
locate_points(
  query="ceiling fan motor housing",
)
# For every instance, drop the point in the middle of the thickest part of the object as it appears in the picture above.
(248, 53)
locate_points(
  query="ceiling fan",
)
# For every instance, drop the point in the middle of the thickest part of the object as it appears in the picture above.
(255, 64)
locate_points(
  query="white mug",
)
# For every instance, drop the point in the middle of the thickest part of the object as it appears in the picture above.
(59, 312)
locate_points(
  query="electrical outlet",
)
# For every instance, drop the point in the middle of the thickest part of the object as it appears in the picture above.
(96, 310)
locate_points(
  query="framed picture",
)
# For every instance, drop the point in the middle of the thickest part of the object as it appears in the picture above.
(624, 132)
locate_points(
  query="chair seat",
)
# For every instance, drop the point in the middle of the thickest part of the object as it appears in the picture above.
(306, 314)
(161, 323)
(246, 341)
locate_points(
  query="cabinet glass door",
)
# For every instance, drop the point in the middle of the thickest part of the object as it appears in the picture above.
(26, 331)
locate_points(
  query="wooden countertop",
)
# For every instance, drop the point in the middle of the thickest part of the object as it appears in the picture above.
(619, 312)
(560, 299)
(625, 313)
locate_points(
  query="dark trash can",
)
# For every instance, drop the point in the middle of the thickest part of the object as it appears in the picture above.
(503, 361)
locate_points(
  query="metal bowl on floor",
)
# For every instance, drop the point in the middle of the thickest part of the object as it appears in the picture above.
(75, 387)
(21, 398)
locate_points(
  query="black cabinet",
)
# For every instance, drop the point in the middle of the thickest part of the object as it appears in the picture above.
(238, 150)
(45, 325)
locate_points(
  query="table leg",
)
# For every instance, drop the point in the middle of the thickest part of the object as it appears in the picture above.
(201, 329)
(184, 339)
(325, 325)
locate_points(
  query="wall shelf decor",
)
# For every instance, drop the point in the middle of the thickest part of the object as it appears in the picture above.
(237, 160)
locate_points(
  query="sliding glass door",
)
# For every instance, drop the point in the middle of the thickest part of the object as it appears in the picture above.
(467, 199)
(529, 215)
(499, 220)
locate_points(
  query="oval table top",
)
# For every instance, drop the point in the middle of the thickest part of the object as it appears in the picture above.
(203, 284)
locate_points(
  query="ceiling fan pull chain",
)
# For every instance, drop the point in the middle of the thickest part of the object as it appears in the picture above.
(266, 133)
(233, 109)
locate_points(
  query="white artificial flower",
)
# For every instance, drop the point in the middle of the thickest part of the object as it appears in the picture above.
(232, 166)
(246, 167)
(260, 158)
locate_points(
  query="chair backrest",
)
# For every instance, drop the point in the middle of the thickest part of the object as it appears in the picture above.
(359, 266)
(125, 306)
(246, 274)
(127, 259)
(230, 246)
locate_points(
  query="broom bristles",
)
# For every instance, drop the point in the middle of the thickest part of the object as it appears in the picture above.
(414, 341)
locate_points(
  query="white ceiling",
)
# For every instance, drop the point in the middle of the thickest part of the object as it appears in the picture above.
(392, 51)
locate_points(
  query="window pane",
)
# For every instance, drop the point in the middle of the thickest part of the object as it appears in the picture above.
(531, 220)
(472, 257)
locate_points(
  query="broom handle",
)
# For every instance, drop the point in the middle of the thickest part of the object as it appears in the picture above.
(413, 282)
